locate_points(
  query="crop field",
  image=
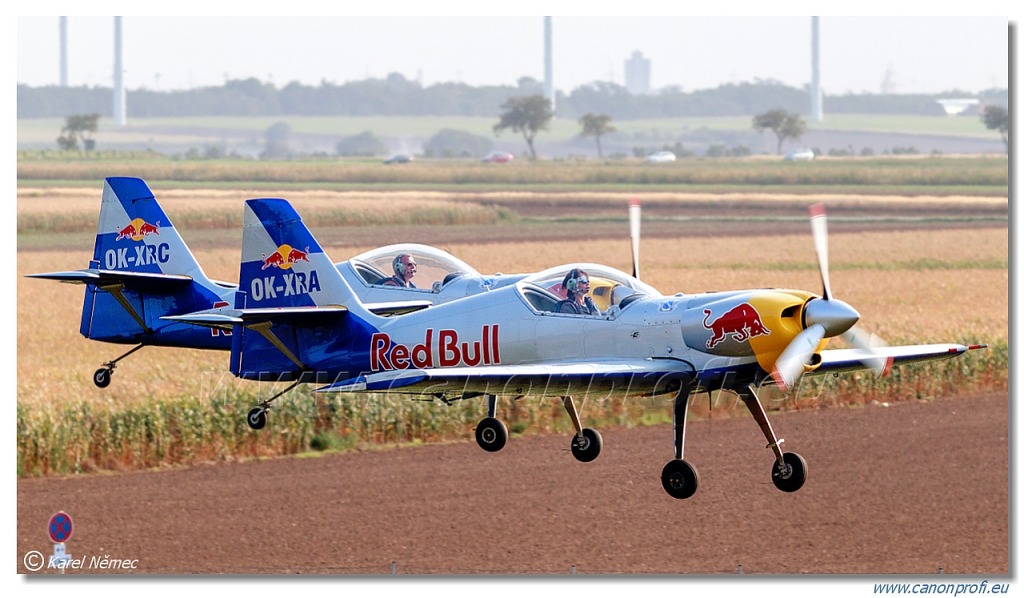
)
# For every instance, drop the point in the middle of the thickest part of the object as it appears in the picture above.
(926, 269)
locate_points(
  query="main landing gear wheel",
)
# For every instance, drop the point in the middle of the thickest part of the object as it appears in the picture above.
(491, 434)
(586, 446)
(791, 476)
(101, 377)
(257, 418)
(679, 479)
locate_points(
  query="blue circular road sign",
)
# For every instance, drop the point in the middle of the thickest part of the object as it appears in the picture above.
(60, 527)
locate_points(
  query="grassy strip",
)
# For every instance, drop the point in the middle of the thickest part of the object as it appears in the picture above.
(221, 219)
(929, 172)
(80, 436)
(625, 187)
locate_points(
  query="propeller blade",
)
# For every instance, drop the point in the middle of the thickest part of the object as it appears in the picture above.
(634, 234)
(790, 364)
(819, 228)
(862, 339)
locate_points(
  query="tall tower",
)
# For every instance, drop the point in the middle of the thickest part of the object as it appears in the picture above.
(63, 51)
(120, 117)
(549, 76)
(816, 111)
(638, 74)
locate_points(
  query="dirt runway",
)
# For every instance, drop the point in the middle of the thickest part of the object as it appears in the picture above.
(904, 489)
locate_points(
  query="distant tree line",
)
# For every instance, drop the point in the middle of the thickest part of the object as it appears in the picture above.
(397, 96)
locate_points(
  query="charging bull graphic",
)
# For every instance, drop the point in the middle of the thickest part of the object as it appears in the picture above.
(742, 322)
(284, 257)
(138, 229)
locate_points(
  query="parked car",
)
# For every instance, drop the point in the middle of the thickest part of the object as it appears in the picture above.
(799, 155)
(399, 159)
(499, 157)
(662, 156)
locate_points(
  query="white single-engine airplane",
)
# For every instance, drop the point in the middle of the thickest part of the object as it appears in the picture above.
(303, 322)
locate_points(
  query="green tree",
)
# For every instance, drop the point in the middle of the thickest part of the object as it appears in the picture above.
(451, 143)
(277, 137)
(78, 127)
(785, 125)
(363, 144)
(997, 118)
(596, 125)
(527, 115)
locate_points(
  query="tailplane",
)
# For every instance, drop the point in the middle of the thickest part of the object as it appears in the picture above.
(142, 270)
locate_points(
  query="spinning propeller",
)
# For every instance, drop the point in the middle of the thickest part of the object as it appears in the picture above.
(634, 234)
(824, 317)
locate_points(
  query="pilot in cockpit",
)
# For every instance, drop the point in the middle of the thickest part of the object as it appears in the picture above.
(405, 269)
(577, 301)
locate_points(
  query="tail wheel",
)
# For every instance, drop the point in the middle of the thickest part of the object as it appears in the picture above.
(101, 377)
(791, 476)
(586, 446)
(679, 479)
(491, 434)
(257, 418)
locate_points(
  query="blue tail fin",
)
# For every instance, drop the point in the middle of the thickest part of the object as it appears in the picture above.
(135, 235)
(288, 282)
(283, 265)
(142, 270)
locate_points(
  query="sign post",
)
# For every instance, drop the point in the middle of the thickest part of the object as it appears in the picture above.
(60, 529)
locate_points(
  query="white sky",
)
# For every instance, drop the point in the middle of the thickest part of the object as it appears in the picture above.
(920, 54)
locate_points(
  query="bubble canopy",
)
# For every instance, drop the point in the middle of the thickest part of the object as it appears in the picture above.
(432, 264)
(552, 277)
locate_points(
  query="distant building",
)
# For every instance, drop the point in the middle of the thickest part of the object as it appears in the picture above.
(638, 74)
(954, 106)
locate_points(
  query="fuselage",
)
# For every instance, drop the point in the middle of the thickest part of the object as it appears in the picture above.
(710, 334)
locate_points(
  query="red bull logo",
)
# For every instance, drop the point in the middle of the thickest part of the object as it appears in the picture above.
(284, 257)
(138, 229)
(741, 322)
(442, 348)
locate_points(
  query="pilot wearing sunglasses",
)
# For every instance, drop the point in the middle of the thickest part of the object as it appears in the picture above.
(405, 269)
(577, 300)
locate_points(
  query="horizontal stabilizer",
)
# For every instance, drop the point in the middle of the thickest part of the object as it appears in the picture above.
(214, 319)
(226, 317)
(143, 281)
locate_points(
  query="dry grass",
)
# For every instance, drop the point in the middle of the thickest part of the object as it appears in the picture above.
(899, 283)
(76, 209)
(72, 210)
